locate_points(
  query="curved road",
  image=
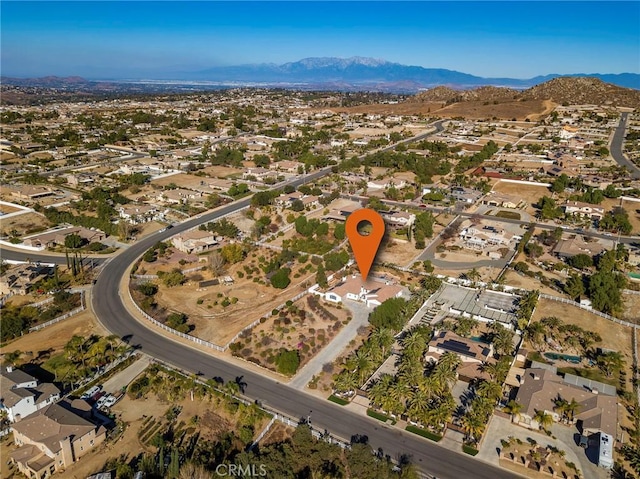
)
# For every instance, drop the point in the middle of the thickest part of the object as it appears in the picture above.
(616, 148)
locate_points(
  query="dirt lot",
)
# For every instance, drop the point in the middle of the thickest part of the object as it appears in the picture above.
(405, 108)
(531, 194)
(631, 307)
(56, 336)
(221, 171)
(307, 326)
(521, 110)
(219, 324)
(24, 224)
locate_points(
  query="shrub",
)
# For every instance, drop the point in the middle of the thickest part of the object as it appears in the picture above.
(338, 400)
(469, 450)
(424, 433)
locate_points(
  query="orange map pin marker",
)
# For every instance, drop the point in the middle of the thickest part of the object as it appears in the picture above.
(365, 247)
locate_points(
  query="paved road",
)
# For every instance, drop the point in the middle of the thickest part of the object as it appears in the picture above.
(332, 350)
(616, 148)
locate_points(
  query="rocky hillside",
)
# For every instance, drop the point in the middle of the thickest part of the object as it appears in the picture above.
(568, 90)
(583, 90)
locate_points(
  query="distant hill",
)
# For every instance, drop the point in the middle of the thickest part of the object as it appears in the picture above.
(570, 90)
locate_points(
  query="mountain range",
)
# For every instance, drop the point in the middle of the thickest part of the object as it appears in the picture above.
(359, 71)
(327, 73)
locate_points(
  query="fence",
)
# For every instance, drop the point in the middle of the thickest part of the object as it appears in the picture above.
(59, 318)
(193, 339)
(5, 298)
(598, 313)
(42, 303)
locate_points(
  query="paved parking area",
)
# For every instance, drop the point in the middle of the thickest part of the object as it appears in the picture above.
(122, 379)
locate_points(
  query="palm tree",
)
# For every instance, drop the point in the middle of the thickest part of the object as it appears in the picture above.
(380, 389)
(572, 408)
(503, 341)
(490, 390)
(513, 408)
(535, 333)
(364, 365)
(610, 362)
(561, 407)
(346, 381)
(450, 361)
(413, 344)
(383, 338)
(473, 425)
(543, 419)
(418, 404)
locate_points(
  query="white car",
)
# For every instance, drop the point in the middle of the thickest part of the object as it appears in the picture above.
(90, 392)
(110, 401)
(101, 402)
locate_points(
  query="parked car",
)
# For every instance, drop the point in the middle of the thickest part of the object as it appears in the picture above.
(101, 401)
(110, 401)
(584, 441)
(94, 390)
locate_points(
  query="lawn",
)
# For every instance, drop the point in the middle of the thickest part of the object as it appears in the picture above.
(512, 215)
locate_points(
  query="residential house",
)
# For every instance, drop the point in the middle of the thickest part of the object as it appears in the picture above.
(258, 173)
(371, 292)
(138, 214)
(20, 279)
(33, 192)
(465, 195)
(587, 210)
(400, 219)
(195, 241)
(480, 237)
(473, 354)
(57, 237)
(387, 183)
(22, 395)
(179, 196)
(53, 439)
(502, 200)
(287, 166)
(566, 248)
(540, 388)
(634, 257)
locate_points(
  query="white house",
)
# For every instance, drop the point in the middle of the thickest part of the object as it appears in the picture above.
(22, 395)
(372, 293)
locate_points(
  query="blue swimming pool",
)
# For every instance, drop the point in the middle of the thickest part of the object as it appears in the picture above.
(563, 357)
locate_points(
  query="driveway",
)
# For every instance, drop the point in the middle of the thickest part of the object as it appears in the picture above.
(501, 428)
(332, 350)
(122, 379)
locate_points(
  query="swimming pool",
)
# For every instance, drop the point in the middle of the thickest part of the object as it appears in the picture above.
(564, 357)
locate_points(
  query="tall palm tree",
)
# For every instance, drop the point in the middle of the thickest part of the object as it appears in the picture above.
(572, 408)
(473, 425)
(561, 407)
(383, 338)
(413, 344)
(513, 408)
(346, 381)
(610, 362)
(490, 390)
(543, 419)
(418, 405)
(364, 365)
(450, 361)
(380, 389)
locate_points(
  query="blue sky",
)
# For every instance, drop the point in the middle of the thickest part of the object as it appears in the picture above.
(146, 39)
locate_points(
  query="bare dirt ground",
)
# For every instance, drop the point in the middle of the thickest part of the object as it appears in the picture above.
(6, 209)
(396, 251)
(520, 110)
(24, 224)
(614, 336)
(631, 307)
(529, 193)
(169, 262)
(307, 331)
(512, 278)
(406, 108)
(219, 324)
(56, 336)
(279, 432)
(221, 171)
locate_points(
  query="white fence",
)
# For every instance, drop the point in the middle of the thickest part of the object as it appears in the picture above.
(193, 339)
(59, 318)
(598, 313)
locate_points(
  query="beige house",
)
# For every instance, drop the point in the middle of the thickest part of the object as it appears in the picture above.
(20, 280)
(54, 438)
(587, 210)
(540, 388)
(57, 237)
(194, 241)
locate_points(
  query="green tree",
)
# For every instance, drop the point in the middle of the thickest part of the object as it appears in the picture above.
(287, 362)
(233, 253)
(543, 419)
(281, 279)
(574, 286)
(581, 261)
(321, 277)
(73, 241)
